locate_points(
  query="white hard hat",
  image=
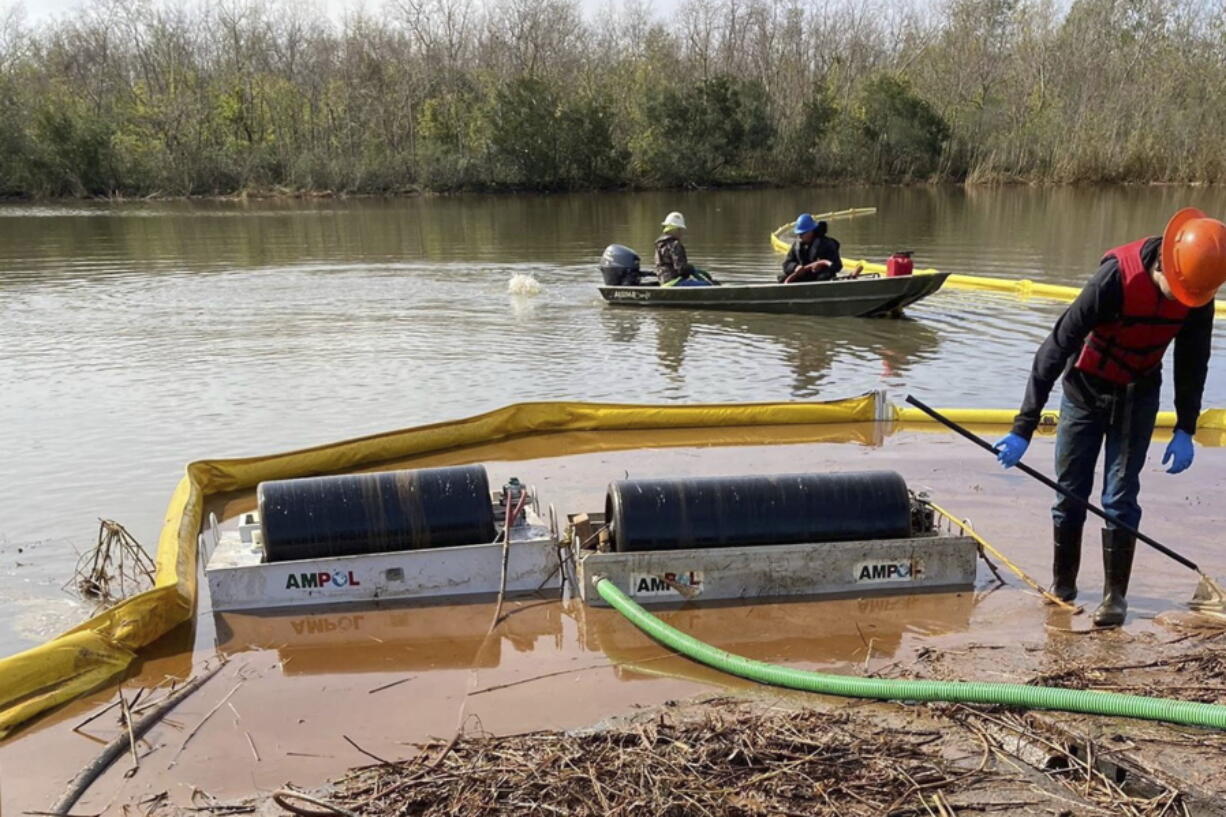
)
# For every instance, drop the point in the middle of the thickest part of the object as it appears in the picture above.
(674, 219)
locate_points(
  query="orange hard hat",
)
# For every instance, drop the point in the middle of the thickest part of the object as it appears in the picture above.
(1194, 256)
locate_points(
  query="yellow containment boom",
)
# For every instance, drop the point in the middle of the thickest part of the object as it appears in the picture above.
(1211, 420)
(1021, 287)
(100, 649)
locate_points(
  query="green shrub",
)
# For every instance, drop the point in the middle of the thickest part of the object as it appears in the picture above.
(699, 134)
(906, 136)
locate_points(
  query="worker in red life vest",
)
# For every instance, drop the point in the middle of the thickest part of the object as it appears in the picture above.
(1109, 346)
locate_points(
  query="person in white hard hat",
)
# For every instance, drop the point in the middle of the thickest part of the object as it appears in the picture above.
(673, 267)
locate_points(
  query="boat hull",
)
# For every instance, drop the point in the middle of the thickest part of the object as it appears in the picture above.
(852, 298)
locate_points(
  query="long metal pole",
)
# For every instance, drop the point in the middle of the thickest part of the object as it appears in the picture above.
(1055, 486)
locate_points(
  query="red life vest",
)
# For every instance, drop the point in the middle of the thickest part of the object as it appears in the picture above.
(1133, 345)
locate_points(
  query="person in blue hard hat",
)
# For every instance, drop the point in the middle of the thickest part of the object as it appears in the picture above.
(814, 256)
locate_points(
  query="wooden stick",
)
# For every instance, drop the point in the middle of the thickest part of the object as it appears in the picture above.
(210, 714)
(283, 796)
(85, 778)
(512, 515)
(251, 743)
(96, 715)
(354, 744)
(150, 704)
(429, 767)
(127, 720)
(390, 685)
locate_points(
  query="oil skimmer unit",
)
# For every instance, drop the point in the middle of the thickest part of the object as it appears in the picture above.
(441, 533)
(429, 533)
(758, 537)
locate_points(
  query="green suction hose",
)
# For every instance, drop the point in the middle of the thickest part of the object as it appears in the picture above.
(1020, 695)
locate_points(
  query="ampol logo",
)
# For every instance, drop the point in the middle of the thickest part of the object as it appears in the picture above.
(688, 583)
(887, 571)
(321, 580)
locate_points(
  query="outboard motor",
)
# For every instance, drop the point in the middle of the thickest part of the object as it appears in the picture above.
(619, 265)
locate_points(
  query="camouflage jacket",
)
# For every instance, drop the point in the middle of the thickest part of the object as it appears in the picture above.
(671, 260)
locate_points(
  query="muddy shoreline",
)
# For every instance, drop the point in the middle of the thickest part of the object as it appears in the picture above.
(876, 757)
(770, 751)
(302, 688)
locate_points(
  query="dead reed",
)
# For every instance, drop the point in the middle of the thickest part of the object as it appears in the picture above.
(725, 761)
(115, 568)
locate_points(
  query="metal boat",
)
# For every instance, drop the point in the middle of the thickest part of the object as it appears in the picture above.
(863, 297)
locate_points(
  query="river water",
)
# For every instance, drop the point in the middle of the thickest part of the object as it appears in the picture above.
(137, 337)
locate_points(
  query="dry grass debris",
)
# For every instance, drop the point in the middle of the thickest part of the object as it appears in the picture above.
(1197, 676)
(724, 760)
(115, 568)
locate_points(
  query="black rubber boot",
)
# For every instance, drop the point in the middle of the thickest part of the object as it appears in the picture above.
(1066, 561)
(1118, 549)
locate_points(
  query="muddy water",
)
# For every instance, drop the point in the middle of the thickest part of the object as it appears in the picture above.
(302, 680)
(136, 337)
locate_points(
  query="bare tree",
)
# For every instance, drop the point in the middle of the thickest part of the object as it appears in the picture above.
(164, 96)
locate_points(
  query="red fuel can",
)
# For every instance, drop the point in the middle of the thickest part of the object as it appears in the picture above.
(899, 264)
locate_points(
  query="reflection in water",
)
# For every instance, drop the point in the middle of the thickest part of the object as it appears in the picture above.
(673, 334)
(881, 350)
(425, 638)
(832, 633)
(362, 638)
(622, 326)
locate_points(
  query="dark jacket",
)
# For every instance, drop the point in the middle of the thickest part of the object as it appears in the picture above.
(1100, 303)
(671, 260)
(822, 247)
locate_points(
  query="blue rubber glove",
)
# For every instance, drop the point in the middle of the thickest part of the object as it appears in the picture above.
(1180, 451)
(1010, 448)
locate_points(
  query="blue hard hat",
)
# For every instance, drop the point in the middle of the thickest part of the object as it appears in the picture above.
(805, 223)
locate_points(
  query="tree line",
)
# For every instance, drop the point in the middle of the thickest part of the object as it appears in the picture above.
(136, 97)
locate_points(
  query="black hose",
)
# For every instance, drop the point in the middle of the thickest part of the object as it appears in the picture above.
(115, 749)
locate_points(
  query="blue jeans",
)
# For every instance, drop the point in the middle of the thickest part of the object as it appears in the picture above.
(1079, 438)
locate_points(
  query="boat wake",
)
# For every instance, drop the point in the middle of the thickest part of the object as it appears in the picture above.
(523, 283)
